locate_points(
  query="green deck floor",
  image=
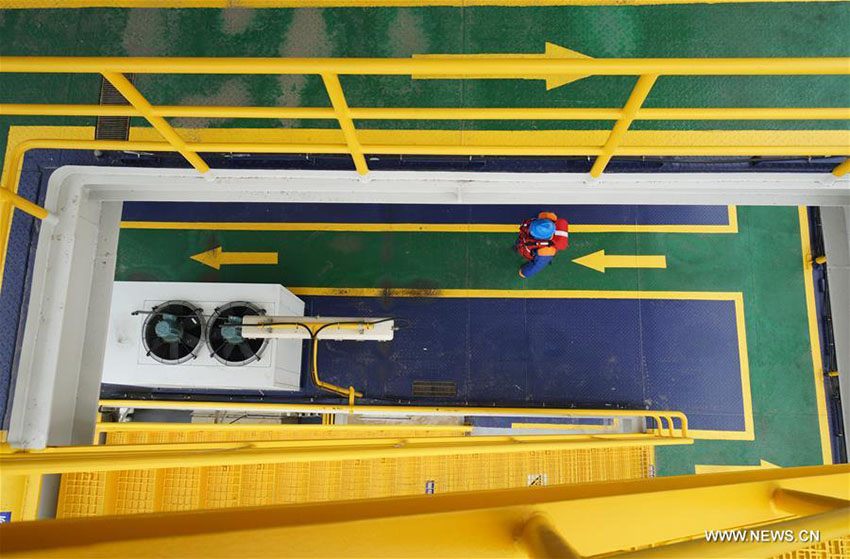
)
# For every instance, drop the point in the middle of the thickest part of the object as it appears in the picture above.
(694, 30)
(763, 261)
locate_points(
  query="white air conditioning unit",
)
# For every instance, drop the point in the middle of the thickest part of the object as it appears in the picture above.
(185, 335)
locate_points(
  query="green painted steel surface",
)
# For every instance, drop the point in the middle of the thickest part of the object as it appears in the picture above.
(696, 30)
(763, 261)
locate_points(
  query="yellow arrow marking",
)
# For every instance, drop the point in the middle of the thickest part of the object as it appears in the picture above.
(599, 261)
(552, 51)
(216, 258)
(713, 469)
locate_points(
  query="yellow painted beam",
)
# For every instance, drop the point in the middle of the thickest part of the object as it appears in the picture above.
(216, 258)
(469, 524)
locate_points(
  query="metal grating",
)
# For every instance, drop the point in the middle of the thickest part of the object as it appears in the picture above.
(434, 389)
(127, 492)
(113, 127)
(831, 549)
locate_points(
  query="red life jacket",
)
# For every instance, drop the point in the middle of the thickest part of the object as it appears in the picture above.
(527, 245)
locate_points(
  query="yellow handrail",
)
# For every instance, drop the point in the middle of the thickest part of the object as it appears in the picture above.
(657, 415)
(507, 66)
(104, 458)
(649, 69)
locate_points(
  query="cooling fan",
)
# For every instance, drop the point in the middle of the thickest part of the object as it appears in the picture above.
(224, 334)
(172, 332)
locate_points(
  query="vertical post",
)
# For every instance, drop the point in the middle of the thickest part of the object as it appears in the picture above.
(636, 99)
(141, 104)
(343, 115)
(842, 168)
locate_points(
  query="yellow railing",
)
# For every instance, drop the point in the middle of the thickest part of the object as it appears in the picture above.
(648, 71)
(664, 420)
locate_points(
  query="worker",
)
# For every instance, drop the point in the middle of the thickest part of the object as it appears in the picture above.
(539, 241)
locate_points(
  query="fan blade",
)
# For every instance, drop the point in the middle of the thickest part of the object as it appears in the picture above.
(174, 351)
(157, 343)
(247, 350)
(190, 340)
(226, 351)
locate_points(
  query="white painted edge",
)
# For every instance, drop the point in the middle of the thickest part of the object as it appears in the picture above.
(464, 188)
(65, 270)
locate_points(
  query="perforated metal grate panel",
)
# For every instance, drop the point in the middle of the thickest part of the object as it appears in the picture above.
(112, 127)
(832, 549)
(266, 484)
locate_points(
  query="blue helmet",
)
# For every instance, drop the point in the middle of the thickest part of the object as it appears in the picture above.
(542, 229)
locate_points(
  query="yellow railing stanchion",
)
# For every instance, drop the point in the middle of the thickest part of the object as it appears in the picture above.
(23, 204)
(636, 99)
(343, 115)
(842, 169)
(129, 91)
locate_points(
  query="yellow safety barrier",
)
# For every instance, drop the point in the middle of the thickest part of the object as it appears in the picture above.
(680, 516)
(662, 429)
(507, 67)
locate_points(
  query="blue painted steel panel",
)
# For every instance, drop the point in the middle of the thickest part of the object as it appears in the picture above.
(554, 352)
(420, 213)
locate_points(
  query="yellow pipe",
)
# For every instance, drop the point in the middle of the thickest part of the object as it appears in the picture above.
(472, 67)
(314, 373)
(396, 410)
(636, 99)
(842, 168)
(132, 95)
(343, 116)
(405, 113)
(97, 458)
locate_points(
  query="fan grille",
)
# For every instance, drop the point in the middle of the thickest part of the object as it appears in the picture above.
(172, 332)
(224, 334)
